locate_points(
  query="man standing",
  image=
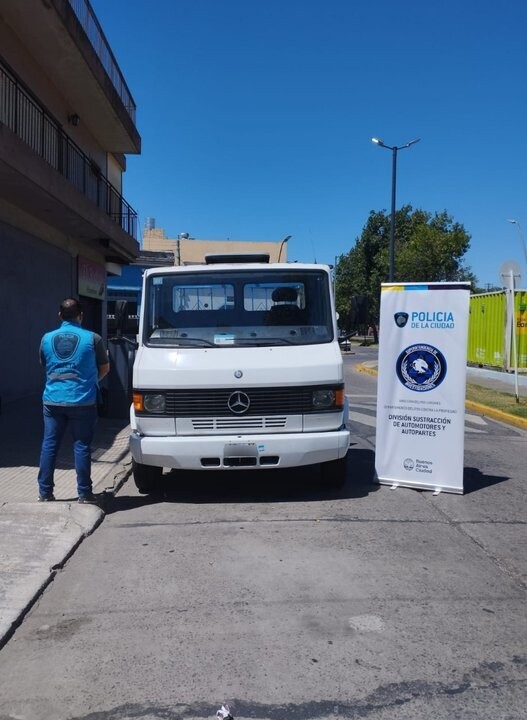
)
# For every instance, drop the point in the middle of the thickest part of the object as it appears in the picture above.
(75, 360)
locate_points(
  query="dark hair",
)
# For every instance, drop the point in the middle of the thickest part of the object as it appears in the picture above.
(70, 309)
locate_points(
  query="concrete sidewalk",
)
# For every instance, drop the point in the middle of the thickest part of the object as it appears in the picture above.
(37, 538)
(496, 380)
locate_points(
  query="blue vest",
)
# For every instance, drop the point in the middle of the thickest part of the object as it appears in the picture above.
(71, 367)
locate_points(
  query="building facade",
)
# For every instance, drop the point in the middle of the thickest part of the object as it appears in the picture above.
(189, 250)
(67, 121)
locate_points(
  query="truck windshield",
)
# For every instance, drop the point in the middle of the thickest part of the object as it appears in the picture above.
(238, 308)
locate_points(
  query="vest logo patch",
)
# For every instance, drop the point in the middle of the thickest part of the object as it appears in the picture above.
(65, 345)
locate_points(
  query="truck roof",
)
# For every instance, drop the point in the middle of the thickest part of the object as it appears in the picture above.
(261, 267)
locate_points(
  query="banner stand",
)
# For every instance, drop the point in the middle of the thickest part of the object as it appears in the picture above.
(420, 426)
(416, 486)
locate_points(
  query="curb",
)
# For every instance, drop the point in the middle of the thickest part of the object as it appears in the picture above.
(366, 369)
(484, 410)
(119, 478)
(496, 414)
(34, 585)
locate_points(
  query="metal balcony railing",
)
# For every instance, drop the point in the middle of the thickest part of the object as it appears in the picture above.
(22, 114)
(87, 18)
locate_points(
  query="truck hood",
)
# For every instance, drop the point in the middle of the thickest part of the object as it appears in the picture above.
(163, 368)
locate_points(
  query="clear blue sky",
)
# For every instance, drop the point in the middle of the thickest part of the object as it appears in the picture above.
(256, 117)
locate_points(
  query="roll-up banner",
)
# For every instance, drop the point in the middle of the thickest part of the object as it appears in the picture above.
(421, 385)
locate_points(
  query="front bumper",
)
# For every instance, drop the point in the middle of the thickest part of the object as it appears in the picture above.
(227, 452)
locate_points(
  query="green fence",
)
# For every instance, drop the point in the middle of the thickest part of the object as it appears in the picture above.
(520, 325)
(488, 343)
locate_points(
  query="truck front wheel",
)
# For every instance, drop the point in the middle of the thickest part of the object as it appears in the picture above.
(147, 478)
(335, 472)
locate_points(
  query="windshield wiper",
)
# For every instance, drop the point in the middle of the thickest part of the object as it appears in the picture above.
(265, 341)
(238, 342)
(182, 341)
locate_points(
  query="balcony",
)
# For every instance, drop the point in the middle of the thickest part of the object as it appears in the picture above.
(67, 45)
(85, 15)
(102, 213)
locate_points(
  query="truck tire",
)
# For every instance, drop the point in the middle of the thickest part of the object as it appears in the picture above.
(335, 472)
(148, 479)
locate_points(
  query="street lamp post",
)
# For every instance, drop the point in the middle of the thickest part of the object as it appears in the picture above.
(522, 237)
(282, 245)
(394, 150)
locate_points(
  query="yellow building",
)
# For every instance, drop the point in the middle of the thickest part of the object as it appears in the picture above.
(188, 250)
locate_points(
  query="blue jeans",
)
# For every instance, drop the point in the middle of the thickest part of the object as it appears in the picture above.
(82, 420)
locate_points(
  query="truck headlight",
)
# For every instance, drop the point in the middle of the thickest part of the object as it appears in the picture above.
(323, 399)
(328, 398)
(154, 403)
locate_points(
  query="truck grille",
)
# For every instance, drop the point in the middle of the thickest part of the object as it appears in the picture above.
(214, 403)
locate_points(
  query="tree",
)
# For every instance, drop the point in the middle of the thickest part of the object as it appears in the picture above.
(428, 248)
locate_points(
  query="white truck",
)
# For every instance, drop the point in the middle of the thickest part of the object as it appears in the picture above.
(238, 366)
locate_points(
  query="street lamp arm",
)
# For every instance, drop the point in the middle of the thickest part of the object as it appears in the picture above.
(282, 245)
(522, 236)
(412, 142)
(380, 143)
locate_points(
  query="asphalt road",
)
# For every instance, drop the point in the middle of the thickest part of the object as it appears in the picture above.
(290, 602)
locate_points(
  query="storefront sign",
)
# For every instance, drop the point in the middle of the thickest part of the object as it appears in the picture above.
(421, 386)
(91, 278)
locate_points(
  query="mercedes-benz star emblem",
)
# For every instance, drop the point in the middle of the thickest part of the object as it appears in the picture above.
(238, 402)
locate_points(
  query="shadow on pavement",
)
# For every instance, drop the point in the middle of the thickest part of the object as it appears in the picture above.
(474, 480)
(21, 430)
(244, 486)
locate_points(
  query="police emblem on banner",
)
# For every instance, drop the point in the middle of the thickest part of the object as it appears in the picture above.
(421, 367)
(65, 344)
(401, 318)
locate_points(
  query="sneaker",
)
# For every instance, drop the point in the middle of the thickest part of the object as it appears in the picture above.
(46, 498)
(87, 499)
